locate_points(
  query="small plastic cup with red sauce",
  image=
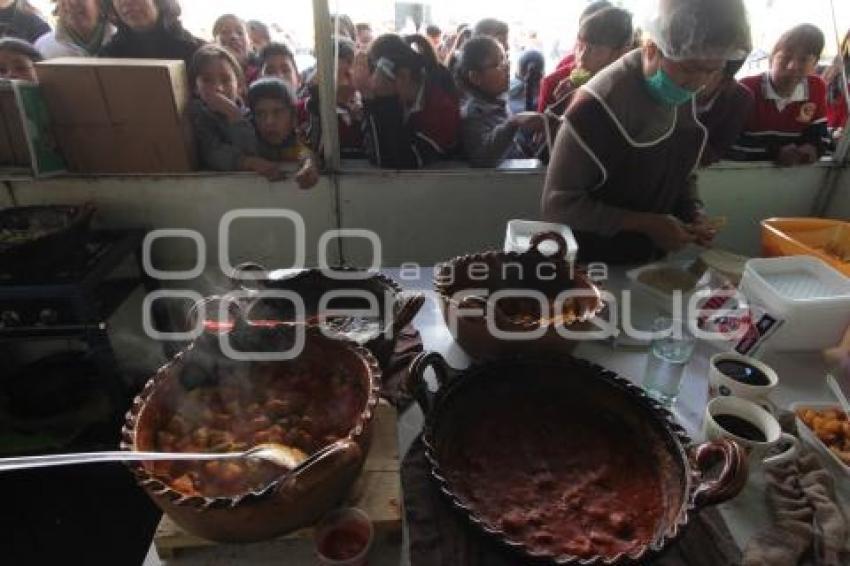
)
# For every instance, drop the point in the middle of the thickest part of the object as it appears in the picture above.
(344, 538)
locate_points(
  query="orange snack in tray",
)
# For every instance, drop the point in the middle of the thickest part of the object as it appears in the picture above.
(831, 427)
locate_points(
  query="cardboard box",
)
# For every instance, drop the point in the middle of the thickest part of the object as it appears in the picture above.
(27, 140)
(120, 115)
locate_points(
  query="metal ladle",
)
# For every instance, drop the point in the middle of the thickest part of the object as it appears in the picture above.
(284, 456)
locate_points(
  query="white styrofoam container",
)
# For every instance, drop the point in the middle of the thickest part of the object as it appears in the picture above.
(662, 301)
(520, 232)
(811, 297)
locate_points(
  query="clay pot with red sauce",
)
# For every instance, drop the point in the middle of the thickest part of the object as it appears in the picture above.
(289, 500)
(564, 462)
(486, 294)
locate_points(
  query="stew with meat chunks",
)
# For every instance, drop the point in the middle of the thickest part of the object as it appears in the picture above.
(562, 480)
(305, 404)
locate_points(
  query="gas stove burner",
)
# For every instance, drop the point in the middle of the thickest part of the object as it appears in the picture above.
(79, 291)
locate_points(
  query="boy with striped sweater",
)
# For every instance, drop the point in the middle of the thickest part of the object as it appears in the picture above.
(788, 121)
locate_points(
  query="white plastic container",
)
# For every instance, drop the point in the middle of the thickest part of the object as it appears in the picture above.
(810, 296)
(520, 232)
(661, 300)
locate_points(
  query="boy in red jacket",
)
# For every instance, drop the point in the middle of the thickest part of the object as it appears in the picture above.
(788, 121)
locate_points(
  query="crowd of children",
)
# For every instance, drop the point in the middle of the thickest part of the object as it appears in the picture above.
(408, 101)
(245, 129)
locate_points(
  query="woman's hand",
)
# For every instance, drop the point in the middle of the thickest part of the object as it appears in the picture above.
(308, 175)
(704, 229)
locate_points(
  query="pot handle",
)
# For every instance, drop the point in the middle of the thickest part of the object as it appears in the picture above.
(409, 305)
(541, 237)
(733, 472)
(416, 384)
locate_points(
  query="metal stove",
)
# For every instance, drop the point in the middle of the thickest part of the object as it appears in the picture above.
(74, 298)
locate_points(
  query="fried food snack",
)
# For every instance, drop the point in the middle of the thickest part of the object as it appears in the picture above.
(832, 428)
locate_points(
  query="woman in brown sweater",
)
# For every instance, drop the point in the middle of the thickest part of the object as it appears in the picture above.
(622, 173)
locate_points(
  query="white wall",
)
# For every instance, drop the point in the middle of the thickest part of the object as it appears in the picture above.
(839, 205)
(424, 217)
(428, 218)
(197, 202)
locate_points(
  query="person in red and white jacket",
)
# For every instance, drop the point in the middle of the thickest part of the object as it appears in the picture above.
(788, 122)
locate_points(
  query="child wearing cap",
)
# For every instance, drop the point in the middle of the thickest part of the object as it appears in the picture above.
(277, 60)
(525, 86)
(273, 110)
(18, 59)
(788, 121)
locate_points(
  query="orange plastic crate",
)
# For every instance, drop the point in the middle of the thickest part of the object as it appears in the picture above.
(808, 236)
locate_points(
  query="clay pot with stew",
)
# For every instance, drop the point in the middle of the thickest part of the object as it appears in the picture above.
(204, 400)
(499, 304)
(564, 462)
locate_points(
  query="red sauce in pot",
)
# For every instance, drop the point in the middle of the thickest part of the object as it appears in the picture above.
(559, 477)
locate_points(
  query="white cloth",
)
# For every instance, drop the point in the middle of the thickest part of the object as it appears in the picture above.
(55, 44)
(800, 94)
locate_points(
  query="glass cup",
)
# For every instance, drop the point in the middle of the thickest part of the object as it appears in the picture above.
(670, 351)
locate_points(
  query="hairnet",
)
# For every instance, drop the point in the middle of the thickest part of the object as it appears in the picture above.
(701, 29)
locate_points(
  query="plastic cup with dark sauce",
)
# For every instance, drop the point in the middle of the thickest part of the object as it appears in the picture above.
(344, 538)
